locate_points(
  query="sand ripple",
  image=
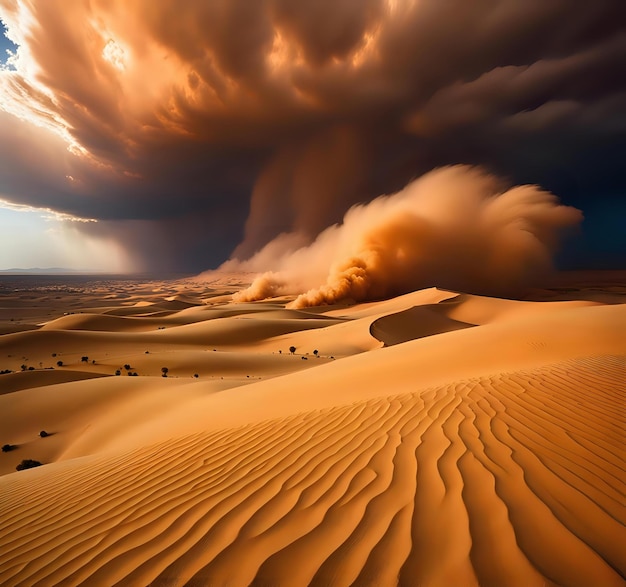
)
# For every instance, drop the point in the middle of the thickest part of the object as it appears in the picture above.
(513, 479)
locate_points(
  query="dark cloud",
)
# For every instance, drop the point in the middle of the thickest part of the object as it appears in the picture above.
(201, 128)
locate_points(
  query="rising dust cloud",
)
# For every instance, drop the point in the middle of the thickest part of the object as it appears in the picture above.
(456, 227)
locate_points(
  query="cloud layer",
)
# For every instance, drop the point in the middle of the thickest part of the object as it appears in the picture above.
(201, 129)
(457, 228)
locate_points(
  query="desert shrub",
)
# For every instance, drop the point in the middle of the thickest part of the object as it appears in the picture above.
(164, 371)
(127, 367)
(31, 368)
(292, 349)
(196, 375)
(8, 447)
(28, 464)
(316, 352)
(59, 363)
(43, 434)
(84, 359)
(118, 372)
(304, 358)
(23, 367)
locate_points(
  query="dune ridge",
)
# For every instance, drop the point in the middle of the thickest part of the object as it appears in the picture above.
(515, 478)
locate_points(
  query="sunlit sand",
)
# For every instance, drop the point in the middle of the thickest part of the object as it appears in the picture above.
(436, 438)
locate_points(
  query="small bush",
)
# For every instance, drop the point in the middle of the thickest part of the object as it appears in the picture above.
(28, 464)
(43, 434)
(164, 371)
(316, 352)
(84, 359)
(59, 363)
(118, 372)
(196, 375)
(292, 349)
(8, 447)
(127, 367)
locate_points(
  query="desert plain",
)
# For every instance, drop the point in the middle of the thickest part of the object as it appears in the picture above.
(436, 438)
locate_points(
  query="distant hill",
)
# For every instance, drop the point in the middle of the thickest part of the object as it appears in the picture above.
(45, 271)
(60, 271)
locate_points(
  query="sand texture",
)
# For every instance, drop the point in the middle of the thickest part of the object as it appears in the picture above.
(433, 439)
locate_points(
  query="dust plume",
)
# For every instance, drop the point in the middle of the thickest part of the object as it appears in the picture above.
(457, 227)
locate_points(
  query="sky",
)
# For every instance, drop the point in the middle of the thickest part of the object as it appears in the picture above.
(167, 136)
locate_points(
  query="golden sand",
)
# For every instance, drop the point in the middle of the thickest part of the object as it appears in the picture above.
(432, 439)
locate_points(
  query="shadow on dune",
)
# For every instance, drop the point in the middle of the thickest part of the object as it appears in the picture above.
(414, 323)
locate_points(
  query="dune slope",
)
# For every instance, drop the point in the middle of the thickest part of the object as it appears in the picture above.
(513, 479)
(432, 439)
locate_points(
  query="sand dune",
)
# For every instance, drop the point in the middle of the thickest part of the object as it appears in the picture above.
(40, 378)
(451, 440)
(404, 368)
(417, 322)
(113, 348)
(105, 323)
(469, 483)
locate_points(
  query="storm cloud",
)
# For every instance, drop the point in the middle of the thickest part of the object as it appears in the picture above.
(197, 131)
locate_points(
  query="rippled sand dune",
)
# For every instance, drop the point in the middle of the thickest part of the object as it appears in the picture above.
(450, 440)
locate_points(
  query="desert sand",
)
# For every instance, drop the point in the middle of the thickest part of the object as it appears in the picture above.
(437, 438)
